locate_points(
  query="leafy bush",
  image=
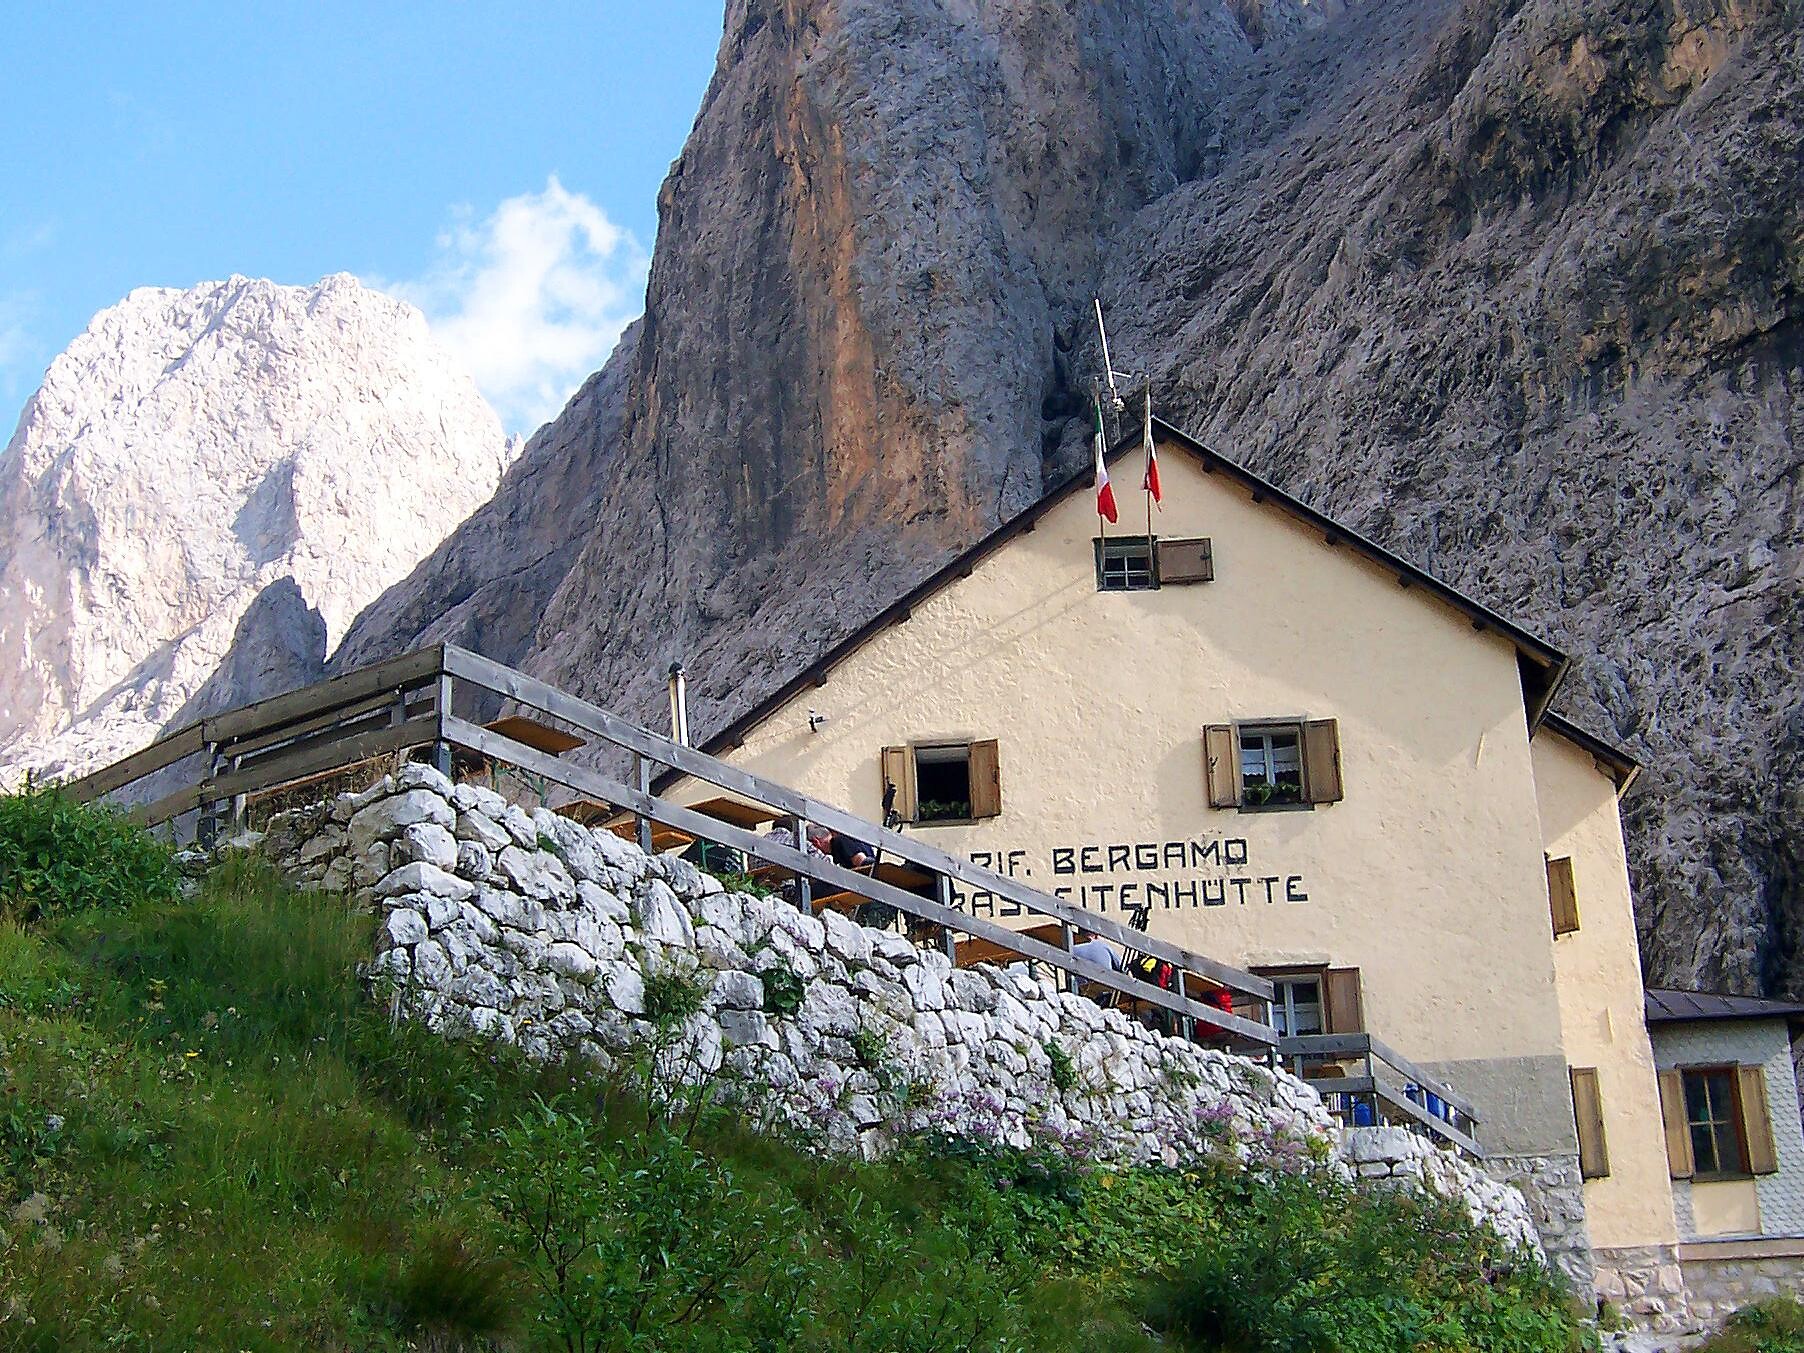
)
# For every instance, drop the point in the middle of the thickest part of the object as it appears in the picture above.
(783, 992)
(1311, 1267)
(57, 855)
(1772, 1326)
(673, 992)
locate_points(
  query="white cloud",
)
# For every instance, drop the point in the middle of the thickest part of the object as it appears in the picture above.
(532, 298)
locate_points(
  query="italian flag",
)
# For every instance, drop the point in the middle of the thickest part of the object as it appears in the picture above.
(1105, 496)
(1151, 482)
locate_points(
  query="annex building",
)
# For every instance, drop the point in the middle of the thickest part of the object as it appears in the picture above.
(1297, 753)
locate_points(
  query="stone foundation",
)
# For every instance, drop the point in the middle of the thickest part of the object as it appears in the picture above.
(1556, 1197)
(1646, 1284)
(538, 932)
(1722, 1276)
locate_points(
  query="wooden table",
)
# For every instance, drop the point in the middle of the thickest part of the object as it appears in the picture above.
(735, 813)
(663, 838)
(974, 951)
(905, 876)
(585, 812)
(541, 737)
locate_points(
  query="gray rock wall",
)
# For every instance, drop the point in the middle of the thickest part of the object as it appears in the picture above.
(1514, 286)
(565, 941)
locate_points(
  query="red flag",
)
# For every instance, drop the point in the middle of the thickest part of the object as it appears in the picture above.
(1105, 496)
(1150, 482)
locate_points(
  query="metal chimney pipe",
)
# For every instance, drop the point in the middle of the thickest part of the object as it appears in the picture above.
(679, 705)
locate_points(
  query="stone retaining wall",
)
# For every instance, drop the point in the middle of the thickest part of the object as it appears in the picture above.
(534, 930)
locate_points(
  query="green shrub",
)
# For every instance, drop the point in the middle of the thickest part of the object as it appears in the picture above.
(1307, 1266)
(674, 991)
(57, 855)
(783, 992)
(1772, 1326)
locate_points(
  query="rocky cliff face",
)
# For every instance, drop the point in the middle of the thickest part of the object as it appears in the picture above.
(1512, 285)
(234, 469)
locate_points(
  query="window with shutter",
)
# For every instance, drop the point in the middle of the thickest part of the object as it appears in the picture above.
(1713, 1120)
(1678, 1132)
(1185, 561)
(1588, 1116)
(1756, 1121)
(899, 782)
(1221, 766)
(1562, 896)
(1341, 1001)
(1321, 761)
(986, 779)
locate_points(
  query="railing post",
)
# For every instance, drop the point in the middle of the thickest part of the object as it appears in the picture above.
(1069, 933)
(942, 891)
(642, 781)
(804, 884)
(441, 750)
(206, 826)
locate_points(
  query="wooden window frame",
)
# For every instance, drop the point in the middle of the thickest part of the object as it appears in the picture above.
(1737, 1120)
(912, 796)
(1320, 777)
(1151, 543)
(1321, 973)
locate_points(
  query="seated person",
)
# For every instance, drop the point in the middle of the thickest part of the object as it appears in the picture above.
(849, 853)
(1092, 948)
(1219, 998)
(843, 850)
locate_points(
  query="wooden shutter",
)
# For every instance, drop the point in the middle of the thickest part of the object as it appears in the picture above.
(1588, 1115)
(1321, 761)
(1756, 1120)
(1186, 561)
(1680, 1163)
(1221, 755)
(1342, 1010)
(986, 779)
(899, 772)
(1562, 897)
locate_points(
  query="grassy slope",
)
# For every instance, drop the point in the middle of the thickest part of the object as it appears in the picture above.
(209, 1137)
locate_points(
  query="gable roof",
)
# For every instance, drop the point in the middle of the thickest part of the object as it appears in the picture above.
(1665, 1006)
(1542, 665)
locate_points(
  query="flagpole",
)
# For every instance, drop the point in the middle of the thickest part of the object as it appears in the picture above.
(1102, 522)
(1146, 475)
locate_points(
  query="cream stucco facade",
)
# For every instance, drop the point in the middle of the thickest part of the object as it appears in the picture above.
(1428, 876)
(1598, 975)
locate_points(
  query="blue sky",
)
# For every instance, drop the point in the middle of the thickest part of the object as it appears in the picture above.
(497, 164)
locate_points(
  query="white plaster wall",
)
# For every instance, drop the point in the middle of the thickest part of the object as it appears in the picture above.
(1597, 969)
(1428, 877)
(1747, 1043)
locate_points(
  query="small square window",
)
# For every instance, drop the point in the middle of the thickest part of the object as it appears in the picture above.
(1271, 765)
(1126, 564)
(943, 782)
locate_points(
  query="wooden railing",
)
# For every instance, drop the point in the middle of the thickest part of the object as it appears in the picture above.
(410, 702)
(1381, 1087)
